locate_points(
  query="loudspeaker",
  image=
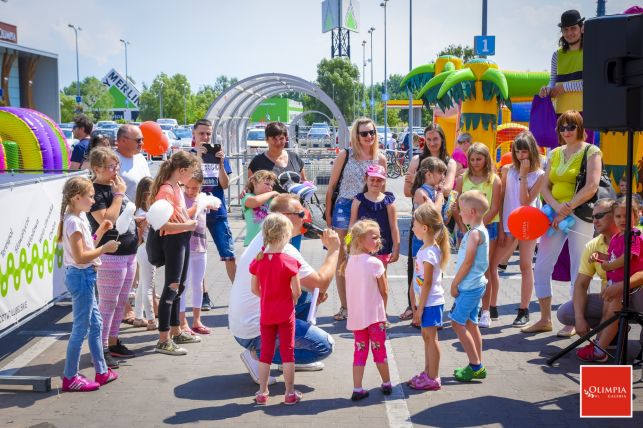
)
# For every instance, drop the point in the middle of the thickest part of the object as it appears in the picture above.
(613, 73)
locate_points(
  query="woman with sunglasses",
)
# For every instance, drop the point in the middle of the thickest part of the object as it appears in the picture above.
(363, 152)
(559, 192)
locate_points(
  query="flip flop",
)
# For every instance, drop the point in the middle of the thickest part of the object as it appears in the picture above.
(201, 330)
(406, 315)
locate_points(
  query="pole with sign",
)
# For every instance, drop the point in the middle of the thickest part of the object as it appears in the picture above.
(484, 45)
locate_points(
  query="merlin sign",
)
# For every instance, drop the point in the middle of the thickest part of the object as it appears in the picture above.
(125, 95)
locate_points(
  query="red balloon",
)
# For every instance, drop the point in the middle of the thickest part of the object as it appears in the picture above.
(154, 141)
(527, 223)
(506, 159)
(307, 218)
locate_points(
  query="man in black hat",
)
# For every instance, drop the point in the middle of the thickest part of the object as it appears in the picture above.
(566, 83)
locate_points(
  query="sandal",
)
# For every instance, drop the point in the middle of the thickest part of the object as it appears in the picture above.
(341, 315)
(139, 323)
(407, 314)
(151, 325)
(201, 329)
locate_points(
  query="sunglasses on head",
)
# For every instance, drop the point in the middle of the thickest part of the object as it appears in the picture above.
(300, 214)
(599, 216)
(365, 134)
(563, 128)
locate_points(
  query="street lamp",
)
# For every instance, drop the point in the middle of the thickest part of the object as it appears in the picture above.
(370, 31)
(76, 30)
(364, 78)
(185, 108)
(333, 92)
(410, 134)
(161, 100)
(125, 43)
(385, 94)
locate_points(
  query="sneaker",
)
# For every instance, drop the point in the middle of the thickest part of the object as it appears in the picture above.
(79, 383)
(206, 305)
(493, 311)
(311, 367)
(386, 389)
(358, 395)
(252, 366)
(107, 377)
(185, 337)
(466, 374)
(292, 398)
(485, 320)
(522, 319)
(424, 382)
(110, 361)
(121, 351)
(590, 354)
(261, 399)
(169, 348)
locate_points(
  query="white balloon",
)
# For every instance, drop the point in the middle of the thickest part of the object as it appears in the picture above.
(206, 201)
(159, 213)
(125, 219)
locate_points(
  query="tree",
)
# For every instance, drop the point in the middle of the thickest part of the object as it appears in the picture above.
(171, 90)
(96, 99)
(464, 52)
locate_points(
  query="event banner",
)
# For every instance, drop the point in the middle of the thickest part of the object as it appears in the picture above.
(31, 270)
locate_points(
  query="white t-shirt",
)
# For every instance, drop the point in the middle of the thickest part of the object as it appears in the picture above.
(431, 255)
(244, 307)
(133, 170)
(72, 224)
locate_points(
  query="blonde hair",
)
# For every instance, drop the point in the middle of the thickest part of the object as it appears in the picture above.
(99, 156)
(476, 200)
(483, 150)
(258, 177)
(276, 230)
(356, 146)
(283, 202)
(178, 160)
(357, 233)
(428, 216)
(74, 186)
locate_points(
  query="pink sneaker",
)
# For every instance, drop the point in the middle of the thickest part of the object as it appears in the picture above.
(79, 383)
(292, 398)
(424, 382)
(107, 377)
(416, 377)
(590, 354)
(261, 399)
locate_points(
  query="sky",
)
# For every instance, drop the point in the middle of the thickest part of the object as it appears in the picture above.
(240, 38)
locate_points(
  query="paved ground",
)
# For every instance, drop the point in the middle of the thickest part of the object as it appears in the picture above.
(210, 386)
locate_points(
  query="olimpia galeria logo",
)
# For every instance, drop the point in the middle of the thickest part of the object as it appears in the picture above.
(36, 265)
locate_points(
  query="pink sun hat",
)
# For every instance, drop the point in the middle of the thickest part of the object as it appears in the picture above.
(376, 171)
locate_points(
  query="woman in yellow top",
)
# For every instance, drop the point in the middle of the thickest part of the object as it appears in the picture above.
(559, 192)
(480, 176)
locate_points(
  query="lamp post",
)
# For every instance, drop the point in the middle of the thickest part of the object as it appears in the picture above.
(161, 99)
(370, 31)
(76, 30)
(185, 108)
(385, 94)
(410, 134)
(364, 78)
(125, 43)
(333, 92)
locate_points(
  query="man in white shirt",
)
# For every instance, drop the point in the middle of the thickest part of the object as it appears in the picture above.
(312, 344)
(129, 142)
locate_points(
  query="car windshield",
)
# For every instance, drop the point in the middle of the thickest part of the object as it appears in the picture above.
(68, 133)
(183, 133)
(258, 135)
(319, 131)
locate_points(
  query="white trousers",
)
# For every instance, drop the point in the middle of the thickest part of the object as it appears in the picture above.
(194, 280)
(145, 289)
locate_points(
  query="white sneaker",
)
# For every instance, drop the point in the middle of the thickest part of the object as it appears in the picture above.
(252, 366)
(485, 319)
(312, 367)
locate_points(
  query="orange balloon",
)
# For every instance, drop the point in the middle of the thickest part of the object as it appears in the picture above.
(154, 141)
(307, 219)
(527, 223)
(505, 159)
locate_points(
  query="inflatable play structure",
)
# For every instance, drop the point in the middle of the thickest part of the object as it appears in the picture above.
(31, 141)
(495, 105)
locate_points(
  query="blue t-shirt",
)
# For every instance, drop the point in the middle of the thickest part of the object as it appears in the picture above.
(210, 168)
(80, 149)
(475, 279)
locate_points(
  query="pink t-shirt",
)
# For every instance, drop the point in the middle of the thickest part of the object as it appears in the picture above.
(617, 248)
(460, 156)
(274, 272)
(365, 303)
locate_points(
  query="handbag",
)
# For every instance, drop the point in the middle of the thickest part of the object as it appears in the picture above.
(316, 209)
(542, 122)
(605, 190)
(335, 194)
(154, 247)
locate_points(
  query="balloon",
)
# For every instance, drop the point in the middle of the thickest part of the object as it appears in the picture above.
(206, 201)
(527, 223)
(125, 219)
(153, 141)
(159, 213)
(506, 159)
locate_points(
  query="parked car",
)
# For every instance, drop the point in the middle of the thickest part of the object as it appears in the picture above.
(256, 140)
(106, 124)
(69, 136)
(109, 133)
(185, 135)
(319, 137)
(167, 121)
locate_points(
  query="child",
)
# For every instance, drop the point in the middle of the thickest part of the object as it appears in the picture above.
(521, 183)
(612, 263)
(198, 260)
(427, 291)
(469, 283)
(459, 154)
(255, 203)
(81, 258)
(176, 235)
(366, 294)
(480, 176)
(146, 271)
(377, 205)
(275, 281)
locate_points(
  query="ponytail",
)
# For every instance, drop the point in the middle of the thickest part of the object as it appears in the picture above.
(74, 186)
(428, 216)
(178, 160)
(442, 238)
(63, 210)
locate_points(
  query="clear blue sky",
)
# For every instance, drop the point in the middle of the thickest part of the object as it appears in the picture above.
(204, 39)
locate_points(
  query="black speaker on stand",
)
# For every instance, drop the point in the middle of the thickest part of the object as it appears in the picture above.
(613, 101)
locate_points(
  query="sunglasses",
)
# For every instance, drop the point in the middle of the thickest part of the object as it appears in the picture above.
(300, 214)
(563, 128)
(365, 134)
(138, 140)
(599, 216)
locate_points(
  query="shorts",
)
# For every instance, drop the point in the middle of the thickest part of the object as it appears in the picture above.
(432, 316)
(342, 213)
(221, 235)
(492, 230)
(416, 244)
(384, 258)
(467, 305)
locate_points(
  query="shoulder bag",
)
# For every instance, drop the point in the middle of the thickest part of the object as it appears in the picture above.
(605, 190)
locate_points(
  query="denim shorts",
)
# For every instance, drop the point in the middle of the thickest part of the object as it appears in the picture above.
(467, 305)
(342, 213)
(492, 230)
(432, 316)
(221, 235)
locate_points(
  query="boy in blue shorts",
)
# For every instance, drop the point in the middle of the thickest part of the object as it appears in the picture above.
(469, 283)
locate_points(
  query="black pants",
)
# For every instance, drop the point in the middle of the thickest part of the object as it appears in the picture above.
(409, 266)
(177, 256)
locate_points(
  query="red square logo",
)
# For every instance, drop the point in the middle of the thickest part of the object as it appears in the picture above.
(606, 391)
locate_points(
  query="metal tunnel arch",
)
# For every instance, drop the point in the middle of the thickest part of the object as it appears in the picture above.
(230, 111)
